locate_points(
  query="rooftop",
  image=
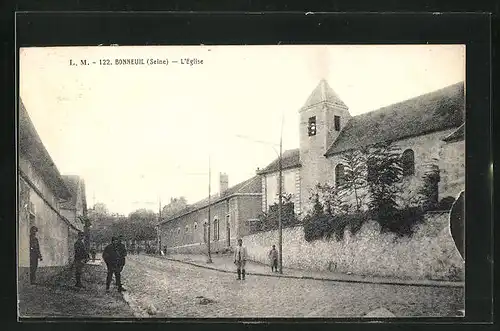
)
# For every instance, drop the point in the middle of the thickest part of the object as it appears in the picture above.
(323, 93)
(291, 159)
(252, 185)
(31, 147)
(436, 111)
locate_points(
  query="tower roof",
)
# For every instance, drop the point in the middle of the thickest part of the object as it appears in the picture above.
(323, 93)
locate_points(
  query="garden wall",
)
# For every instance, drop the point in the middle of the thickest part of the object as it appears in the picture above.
(429, 254)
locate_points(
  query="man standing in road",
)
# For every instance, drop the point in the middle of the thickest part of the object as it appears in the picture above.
(240, 259)
(81, 257)
(35, 254)
(273, 257)
(114, 257)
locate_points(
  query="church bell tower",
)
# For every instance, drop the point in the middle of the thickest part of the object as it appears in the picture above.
(322, 119)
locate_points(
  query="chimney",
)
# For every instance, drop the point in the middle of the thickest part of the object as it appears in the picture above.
(224, 183)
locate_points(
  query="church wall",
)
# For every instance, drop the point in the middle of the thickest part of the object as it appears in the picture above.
(452, 165)
(271, 188)
(427, 149)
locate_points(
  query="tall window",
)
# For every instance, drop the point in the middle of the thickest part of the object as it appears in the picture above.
(216, 229)
(311, 126)
(336, 120)
(339, 175)
(195, 225)
(408, 162)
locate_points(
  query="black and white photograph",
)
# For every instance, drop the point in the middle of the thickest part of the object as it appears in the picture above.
(216, 181)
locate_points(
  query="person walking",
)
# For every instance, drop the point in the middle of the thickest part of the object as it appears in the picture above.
(114, 262)
(240, 259)
(273, 257)
(81, 257)
(35, 254)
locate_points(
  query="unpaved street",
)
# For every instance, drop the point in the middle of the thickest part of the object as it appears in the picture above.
(173, 289)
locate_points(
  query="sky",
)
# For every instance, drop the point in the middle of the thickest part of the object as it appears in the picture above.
(138, 134)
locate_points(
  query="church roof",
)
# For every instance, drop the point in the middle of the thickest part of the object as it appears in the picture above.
(291, 159)
(436, 111)
(323, 93)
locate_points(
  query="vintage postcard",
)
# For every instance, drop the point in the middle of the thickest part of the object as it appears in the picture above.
(241, 181)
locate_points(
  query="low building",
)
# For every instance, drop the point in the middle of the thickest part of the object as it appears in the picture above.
(41, 192)
(230, 213)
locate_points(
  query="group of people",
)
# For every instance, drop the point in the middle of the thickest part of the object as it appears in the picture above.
(240, 259)
(113, 255)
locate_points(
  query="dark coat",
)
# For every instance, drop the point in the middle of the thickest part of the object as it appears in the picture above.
(35, 253)
(114, 255)
(80, 251)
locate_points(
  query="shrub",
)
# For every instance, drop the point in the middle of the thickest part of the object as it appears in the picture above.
(270, 220)
(326, 225)
(384, 173)
(404, 221)
(316, 226)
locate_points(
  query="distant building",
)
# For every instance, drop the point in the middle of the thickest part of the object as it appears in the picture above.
(42, 190)
(230, 213)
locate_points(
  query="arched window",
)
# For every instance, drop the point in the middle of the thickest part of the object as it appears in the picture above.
(339, 175)
(408, 162)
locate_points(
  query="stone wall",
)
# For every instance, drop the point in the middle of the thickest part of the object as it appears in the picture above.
(38, 207)
(52, 228)
(452, 166)
(429, 254)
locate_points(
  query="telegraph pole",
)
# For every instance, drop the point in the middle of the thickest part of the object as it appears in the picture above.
(280, 203)
(209, 192)
(158, 237)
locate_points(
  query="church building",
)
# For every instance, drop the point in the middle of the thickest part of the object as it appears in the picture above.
(428, 130)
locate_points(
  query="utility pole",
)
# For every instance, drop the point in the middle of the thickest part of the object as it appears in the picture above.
(280, 203)
(209, 192)
(158, 238)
